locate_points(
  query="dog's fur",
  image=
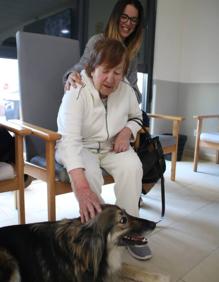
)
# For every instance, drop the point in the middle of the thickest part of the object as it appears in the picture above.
(68, 250)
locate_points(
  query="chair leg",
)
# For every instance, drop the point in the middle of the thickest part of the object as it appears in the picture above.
(19, 196)
(197, 144)
(173, 166)
(27, 181)
(196, 155)
(15, 200)
(51, 202)
(51, 181)
(19, 202)
(21, 212)
(20, 179)
(217, 157)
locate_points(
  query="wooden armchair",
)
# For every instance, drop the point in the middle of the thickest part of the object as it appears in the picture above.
(42, 61)
(15, 182)
(170, 142)
(45, 168)
(205, 139)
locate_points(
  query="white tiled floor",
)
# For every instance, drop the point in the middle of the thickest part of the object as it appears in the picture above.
(185, 244)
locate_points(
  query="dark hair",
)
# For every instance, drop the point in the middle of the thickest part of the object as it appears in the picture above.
(110, 52)
(133, 42)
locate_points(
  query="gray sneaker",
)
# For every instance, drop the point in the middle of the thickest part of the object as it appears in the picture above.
(140, 252)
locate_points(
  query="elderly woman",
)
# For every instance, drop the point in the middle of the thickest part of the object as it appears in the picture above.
(93, 120)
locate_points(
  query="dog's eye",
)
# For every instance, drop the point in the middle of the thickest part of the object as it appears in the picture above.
(123, 220)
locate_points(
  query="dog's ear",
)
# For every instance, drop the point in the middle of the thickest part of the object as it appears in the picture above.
(91, 245)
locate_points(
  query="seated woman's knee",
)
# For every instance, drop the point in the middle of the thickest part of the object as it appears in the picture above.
(131, 165)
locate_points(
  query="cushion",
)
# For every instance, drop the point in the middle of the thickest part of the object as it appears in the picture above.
(210, 137)
(60, 171)
(166, 140)
(6, 171)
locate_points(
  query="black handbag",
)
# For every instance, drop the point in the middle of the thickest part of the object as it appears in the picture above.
(150, 152)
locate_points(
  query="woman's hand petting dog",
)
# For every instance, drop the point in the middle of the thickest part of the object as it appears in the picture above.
(89, 203)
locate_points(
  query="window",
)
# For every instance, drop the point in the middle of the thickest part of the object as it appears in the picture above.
(143, 86)
(59, 24)
(9, 89)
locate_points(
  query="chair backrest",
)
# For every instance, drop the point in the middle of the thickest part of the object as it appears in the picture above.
(42, 61)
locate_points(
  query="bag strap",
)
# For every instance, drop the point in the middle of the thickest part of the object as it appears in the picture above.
(140, 123)
(162, 197)
(162, 186)
(162, 191)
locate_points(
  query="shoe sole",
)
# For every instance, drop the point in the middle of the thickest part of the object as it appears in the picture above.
(138, 257)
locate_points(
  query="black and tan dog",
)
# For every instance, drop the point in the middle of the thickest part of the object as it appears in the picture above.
(68, 250)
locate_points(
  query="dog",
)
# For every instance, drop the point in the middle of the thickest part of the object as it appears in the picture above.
(68, 250)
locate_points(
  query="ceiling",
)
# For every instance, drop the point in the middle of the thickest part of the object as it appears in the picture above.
(15, 13)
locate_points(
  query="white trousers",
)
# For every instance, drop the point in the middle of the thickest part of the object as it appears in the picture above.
(126, 169)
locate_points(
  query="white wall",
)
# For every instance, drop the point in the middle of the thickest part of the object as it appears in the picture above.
(200, 44)
(168, 40)
(186, 61)
(187, 41)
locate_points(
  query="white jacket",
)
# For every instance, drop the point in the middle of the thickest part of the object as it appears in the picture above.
(84, 121)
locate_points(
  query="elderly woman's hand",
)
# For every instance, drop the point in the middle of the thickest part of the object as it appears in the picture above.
(89, 203)
(122, 140)
(74, 78)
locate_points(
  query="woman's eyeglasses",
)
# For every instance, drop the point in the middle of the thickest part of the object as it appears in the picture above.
(124, 18)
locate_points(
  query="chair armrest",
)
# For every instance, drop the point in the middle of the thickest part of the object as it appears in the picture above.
(176, 121)
(17, 129)
(166, 117)
(48, 137)
(43, 133)
(199, 117)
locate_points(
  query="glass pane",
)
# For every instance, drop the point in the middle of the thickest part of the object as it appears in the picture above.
(142, 85)
(9, 89)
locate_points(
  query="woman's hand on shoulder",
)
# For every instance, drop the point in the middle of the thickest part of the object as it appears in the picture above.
(74, 78)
